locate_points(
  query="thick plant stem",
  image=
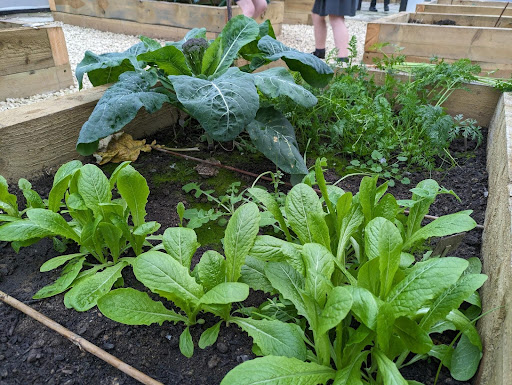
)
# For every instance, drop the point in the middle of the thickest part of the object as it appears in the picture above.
(323, 349)
(82, 343)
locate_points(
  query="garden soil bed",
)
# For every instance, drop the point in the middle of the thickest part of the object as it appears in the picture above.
(32, 354)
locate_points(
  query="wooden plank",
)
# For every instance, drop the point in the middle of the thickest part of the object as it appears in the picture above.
(464, 9)
(51, 3)
(496, 327)
(372, 36)
(41, 136)
(58, 46)
(488, 47)
(126, 27)
(496, 70)
(297, 18)
(401, 17)
(476, 101)
(462, 20)
(479, 3)
(25, 84)
(5, 24)
(177, 15)
(24, 49)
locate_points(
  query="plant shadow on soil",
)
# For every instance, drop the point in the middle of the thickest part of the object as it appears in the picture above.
(30, 353)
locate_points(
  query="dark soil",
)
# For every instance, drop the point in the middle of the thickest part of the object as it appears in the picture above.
(439, 22)
(445, 22)
(32, 354)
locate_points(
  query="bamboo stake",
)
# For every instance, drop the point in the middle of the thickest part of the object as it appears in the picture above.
(82, 343)
(220, 165)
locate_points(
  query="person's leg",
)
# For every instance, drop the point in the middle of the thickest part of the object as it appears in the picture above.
(340, 32)
(320, 28)
(260, 6)
(386, 5)
(373, 4)
(247, 7)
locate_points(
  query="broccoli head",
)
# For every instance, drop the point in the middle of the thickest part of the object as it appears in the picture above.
(194, 49)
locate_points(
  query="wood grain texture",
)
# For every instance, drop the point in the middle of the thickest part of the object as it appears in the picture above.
(160, 13)
(24, 49)
(496, 327)
(41, 136)
(490, 48)
(461, 20)
(465, 9)
(25, 84)
(126, 27)
(58, 46)
(479, 3)
(33, 61)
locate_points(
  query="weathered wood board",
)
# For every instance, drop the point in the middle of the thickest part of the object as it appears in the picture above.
(488, 47)
(158, 19)
(496, 327)
(298, 12)
(40, 137)
(32, 61)
(462, 20)
(481, 3)
(503, 10)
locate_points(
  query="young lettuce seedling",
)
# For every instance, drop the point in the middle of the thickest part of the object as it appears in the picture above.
(99, 225)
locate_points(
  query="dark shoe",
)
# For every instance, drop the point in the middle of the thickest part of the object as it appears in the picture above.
(386, 8)
(319, 53)
(373, 9)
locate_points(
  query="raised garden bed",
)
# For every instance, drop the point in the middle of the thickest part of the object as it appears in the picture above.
(467, 9)
(483, 44)
(158, 19)
(160, 356)
(32, 61)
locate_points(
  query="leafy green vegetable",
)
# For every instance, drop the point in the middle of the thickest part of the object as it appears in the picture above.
(99, 225)
(367, 308)
(197, 76)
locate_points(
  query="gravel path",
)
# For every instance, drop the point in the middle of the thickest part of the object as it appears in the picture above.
(80, 39)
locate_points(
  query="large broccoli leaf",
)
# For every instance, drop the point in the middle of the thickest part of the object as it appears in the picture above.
(238, 32)
(274, 136)
(118, 106)
(223, 106)
(106, 68)
(278, 81)
(312, 69)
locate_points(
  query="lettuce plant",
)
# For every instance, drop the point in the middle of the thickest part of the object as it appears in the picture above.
(369, 308)
(197, 76)
(91, 218)
(212, 286)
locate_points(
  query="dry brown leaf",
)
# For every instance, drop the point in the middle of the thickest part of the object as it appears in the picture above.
(123, 148)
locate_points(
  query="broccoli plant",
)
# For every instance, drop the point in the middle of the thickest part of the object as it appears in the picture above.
(198, 77)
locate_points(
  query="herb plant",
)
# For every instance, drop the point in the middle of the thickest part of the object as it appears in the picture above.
(91, 218)
(197, 76)
(366, 302)
(400, 118)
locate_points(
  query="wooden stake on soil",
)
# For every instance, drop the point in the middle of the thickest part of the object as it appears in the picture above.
(82, 343)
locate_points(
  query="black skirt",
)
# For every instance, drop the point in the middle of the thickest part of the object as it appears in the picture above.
(335, 7)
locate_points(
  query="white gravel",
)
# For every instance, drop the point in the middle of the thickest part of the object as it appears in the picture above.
(79, 40)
